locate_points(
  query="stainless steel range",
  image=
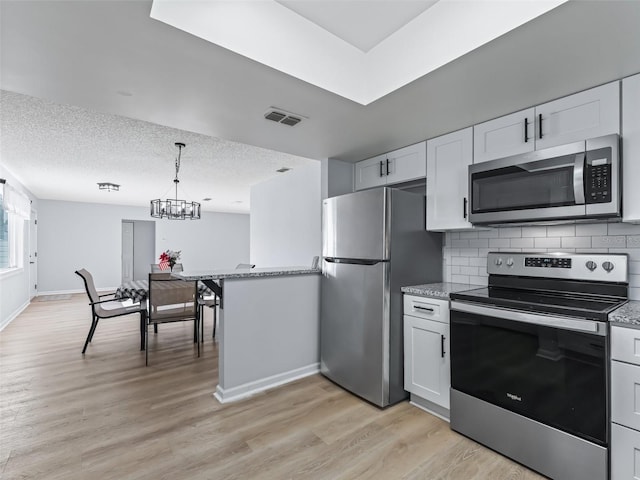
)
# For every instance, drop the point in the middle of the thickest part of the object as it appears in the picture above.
(529, 359)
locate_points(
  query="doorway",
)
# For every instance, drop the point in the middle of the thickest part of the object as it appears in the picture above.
(138, 248)
(33, 254)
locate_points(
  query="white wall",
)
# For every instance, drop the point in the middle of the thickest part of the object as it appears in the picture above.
(285, 219)
(337, 178)
(88, 235)
(14, 285)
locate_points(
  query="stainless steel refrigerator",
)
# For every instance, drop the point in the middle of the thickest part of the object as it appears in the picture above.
(374, 242)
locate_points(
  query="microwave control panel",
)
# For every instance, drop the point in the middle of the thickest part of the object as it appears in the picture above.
(597, 188)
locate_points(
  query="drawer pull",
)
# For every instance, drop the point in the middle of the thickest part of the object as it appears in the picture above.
(426, 309)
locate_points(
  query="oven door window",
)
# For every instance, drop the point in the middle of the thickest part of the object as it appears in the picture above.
(519, 188)
(554, 376)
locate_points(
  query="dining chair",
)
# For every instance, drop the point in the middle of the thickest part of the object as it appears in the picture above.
(172, 300)
(108, 308)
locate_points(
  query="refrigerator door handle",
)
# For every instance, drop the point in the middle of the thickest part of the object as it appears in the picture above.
(353, 261)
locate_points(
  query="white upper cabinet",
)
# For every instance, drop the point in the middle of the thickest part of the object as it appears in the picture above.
(504, 136)
(370, 173)
(448, 159)
(403, 165)
(631, 149)
(587, 114)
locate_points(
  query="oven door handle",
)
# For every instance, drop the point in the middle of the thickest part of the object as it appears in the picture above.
(554, 321)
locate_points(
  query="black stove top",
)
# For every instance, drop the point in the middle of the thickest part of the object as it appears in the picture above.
(578, 305)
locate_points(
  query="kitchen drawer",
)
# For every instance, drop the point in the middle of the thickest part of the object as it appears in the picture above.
(625, 394)
(625, 344)
(429, 308)
(625, 453)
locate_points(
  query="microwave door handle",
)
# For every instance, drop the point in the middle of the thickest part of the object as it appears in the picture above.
(578, 179)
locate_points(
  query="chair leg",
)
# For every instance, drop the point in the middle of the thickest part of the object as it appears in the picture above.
(146, 345)
(93, 329)
(197, 327)
(143, 327)
(94, 322)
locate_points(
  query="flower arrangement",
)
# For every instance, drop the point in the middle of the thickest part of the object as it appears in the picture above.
(168, 259)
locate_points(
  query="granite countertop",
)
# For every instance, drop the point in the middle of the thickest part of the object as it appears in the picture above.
(244, 273)
(628, 314)
(438, 290)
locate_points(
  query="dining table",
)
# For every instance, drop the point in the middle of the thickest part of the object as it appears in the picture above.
(138, 291)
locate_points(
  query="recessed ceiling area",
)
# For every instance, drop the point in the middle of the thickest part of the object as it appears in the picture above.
(361, 24)
(381, 54)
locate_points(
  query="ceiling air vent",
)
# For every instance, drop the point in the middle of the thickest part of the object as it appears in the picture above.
(282, 116)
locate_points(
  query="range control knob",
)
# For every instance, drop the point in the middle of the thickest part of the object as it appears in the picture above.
(498, 261)
(591, 265)
(509, 262)
(608, 266)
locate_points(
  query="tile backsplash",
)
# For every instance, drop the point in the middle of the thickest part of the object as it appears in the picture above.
(465, 253)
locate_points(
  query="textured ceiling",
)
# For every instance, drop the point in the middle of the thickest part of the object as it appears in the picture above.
(61, 152)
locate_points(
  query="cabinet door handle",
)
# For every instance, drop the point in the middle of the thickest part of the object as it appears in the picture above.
(464, 207)
(387, 166)
(526, 130)
(442, 346)
(539, 125)
(426, 309)
(381, 174)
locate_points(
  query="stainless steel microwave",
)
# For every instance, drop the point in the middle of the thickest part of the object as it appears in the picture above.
(575, 181)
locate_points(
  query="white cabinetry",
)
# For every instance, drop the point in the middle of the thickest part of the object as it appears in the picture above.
(505, 136)
(631, 149)
(403, 165)
(587, 114)
(448, 159)
(370, 173)
(427, 374)
(625, 403)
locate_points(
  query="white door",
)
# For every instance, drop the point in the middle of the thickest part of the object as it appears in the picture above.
(448, 159)
(370, 173)
(33, 254)
(587, 114)
(505, 136)
(127, 251)
(427, 371)
(408, 163)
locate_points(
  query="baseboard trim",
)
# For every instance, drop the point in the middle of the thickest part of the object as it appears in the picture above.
(14, 315)
(248, 389)
(430, 407)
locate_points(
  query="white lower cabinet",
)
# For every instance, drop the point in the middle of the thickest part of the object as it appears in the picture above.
(427, 375)
(625, 453)
(625, 403)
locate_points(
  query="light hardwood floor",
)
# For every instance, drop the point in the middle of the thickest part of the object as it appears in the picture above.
(107, 416)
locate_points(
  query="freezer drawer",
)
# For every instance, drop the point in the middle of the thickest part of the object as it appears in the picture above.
(354, 332)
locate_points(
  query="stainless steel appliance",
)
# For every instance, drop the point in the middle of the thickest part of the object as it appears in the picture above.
(576, 181)
(529, 359)
(374, 242)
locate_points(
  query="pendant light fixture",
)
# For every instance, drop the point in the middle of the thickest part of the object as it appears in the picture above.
(174, 208)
